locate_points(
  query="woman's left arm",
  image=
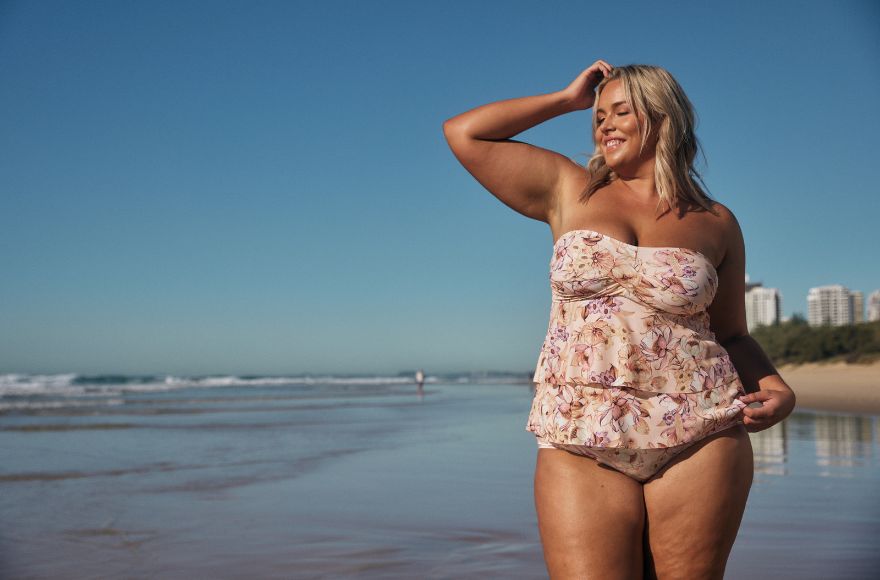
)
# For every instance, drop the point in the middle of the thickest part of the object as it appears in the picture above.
(763, 383)
(727, 319)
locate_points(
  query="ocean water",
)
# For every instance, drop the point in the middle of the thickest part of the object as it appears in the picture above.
(348, 477)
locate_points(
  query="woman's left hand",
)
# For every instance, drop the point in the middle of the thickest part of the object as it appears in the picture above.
(776, 405)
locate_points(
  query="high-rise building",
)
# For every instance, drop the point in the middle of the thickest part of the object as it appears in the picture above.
(874, 306)
(858, 307)
(763, 305)
(830, 304)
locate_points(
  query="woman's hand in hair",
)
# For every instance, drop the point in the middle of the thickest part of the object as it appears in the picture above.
(581, 93)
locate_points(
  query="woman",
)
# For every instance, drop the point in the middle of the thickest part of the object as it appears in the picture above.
(640, 411)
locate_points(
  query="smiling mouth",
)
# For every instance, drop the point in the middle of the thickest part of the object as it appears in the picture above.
(613, 144)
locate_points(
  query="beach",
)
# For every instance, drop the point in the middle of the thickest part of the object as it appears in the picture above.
(848, 388)
(236, 477)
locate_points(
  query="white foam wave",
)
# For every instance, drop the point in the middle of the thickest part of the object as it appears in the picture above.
(12, 405)
(67, 385)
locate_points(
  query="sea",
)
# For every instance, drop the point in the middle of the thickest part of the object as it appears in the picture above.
(354, 476)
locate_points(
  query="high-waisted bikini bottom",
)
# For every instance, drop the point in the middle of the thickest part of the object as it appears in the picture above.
(634, 432)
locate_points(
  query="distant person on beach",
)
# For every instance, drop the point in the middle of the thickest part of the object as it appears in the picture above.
(645, 379)
(420, 378)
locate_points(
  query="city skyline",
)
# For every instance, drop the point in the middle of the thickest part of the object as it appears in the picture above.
(763, 305)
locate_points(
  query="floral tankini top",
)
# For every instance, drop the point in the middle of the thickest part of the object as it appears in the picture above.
(629, 359)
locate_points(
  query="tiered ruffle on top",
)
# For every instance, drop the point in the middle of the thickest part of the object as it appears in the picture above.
(629, 359)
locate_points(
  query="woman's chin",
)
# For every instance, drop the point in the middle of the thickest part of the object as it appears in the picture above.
(615, 167)
(622, 168)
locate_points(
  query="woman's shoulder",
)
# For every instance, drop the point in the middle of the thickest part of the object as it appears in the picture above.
(728, 227)
(713, 213)
(723, 216)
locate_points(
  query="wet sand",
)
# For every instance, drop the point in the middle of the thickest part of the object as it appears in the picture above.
(346, 481)
(849, 388)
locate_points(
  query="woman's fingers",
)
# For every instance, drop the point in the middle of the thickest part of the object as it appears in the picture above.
(603, 66)
(753, 426)
(581, 91)
(765, 408)
(761, 414)
(756, 397)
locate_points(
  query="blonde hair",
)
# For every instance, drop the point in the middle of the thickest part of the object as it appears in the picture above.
(660, 102)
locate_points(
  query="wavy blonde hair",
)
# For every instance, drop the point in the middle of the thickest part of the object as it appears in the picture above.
(663, 106)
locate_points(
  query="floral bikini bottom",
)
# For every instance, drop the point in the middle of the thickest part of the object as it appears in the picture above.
(639, 464)
(634, 432)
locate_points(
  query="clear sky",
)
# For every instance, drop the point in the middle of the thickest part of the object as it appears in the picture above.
(264, 187)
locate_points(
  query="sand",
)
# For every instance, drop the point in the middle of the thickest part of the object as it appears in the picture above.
(219, 483)
(849, 388)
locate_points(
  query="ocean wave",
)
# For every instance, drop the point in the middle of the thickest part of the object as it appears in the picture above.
(77, 385)
(63, 404)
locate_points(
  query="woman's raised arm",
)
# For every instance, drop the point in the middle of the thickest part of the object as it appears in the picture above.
(524, 177)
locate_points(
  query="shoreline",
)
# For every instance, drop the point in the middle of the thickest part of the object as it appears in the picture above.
(838, 386)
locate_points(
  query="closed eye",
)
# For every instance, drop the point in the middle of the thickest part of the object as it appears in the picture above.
(599, 121)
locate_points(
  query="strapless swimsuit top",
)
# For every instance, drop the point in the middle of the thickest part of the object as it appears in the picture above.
(631, 316)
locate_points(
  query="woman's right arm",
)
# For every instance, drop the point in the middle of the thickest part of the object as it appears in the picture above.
(524, 177)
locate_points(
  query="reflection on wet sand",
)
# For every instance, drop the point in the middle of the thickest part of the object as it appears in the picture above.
(770, 450)
(840, 441)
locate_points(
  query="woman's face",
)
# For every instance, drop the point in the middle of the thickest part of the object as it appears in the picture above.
(617, 133)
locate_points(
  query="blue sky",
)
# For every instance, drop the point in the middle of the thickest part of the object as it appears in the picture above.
(264, 187)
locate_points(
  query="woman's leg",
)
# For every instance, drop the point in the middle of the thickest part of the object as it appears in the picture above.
(591, 518)
(695, 506)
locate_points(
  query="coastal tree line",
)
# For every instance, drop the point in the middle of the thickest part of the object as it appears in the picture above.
(795, 341)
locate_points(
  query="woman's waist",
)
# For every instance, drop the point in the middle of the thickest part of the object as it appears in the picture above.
(674, 333)
(645, 366)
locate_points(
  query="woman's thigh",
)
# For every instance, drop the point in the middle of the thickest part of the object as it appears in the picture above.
(695, 506)
(591, 518)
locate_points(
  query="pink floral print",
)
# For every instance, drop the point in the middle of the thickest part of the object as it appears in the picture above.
(629, 360)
